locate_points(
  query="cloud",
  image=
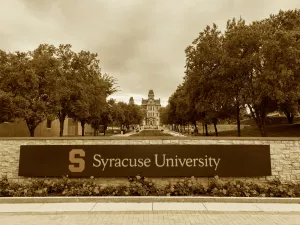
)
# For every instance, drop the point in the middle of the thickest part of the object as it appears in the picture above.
(139, 42)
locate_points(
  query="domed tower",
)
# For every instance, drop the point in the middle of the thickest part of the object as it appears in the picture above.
(151, 94)
(131, 101)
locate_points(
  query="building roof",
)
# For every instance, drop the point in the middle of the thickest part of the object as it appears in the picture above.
(145, 101)
(151, 92)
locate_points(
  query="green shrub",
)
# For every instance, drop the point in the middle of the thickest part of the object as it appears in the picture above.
(141, 186)
(185, 187)
(4, 187)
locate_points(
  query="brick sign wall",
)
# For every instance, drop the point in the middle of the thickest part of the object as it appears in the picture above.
(284, 154)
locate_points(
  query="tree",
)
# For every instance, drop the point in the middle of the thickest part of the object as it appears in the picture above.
(163, 115)
(237, 62)
(255, 65)
(204, 78)
(269, 84)
(117, 113)
(129, 114)
(281, 51)
(99, 108)
(106, 117)
(53, 82)
(26, 79)
(7, 109)
(86, 72)
(66, 92)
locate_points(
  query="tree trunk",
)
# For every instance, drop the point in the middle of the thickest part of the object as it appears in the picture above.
(31, 130)
(216, 129)
(289, 116)
(94, 131)
(238, 121)
(61, 118)
(104, 129)
(82, 127)
(262, 130)
(206, 130)
(31, 126)
(259, 118)
(196, 128)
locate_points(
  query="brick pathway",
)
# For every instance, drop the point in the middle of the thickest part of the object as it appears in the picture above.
(155, 218)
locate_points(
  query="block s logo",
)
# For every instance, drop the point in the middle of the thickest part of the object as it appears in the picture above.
(77, 160)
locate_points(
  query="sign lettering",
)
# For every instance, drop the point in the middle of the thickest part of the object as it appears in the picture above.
(79, 161)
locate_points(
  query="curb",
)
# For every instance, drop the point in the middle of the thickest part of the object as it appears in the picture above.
(144, 199)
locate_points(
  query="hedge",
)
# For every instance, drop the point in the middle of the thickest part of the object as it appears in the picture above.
(141, 186)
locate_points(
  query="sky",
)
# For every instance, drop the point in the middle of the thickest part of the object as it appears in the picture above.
(141, 43)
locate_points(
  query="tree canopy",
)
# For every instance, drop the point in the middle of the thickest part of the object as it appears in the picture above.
(53, 82)
(249, 67)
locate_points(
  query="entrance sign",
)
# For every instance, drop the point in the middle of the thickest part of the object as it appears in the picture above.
(144, 160)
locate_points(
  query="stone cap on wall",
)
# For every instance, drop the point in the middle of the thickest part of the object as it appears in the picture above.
(153, 138)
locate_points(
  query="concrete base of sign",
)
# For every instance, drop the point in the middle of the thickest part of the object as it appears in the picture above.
(147, 199)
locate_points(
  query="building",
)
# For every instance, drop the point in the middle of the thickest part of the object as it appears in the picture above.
(47, 128)
(131, 101)
(152, 107)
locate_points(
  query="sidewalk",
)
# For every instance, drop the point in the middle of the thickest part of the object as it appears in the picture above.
(149, 207)
(124, 135)
(151, 218)
(173, 133)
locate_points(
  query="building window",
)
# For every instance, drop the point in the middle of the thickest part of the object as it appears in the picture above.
(49, 123)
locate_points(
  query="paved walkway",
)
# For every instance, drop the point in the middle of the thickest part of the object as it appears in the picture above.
(155, 218)
(173, 133)
(156, 213)
(124, 135)
(149, 207)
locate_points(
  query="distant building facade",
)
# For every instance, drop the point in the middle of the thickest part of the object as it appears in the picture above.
(152, 107)
(45, 129)
(131, 101)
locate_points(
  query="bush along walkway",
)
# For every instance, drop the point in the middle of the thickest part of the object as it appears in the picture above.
(141, 186)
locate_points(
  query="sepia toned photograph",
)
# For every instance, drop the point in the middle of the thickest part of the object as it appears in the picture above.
(150, 112)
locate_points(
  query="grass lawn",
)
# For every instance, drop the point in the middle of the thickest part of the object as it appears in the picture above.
(282, 130)
(151, 133)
